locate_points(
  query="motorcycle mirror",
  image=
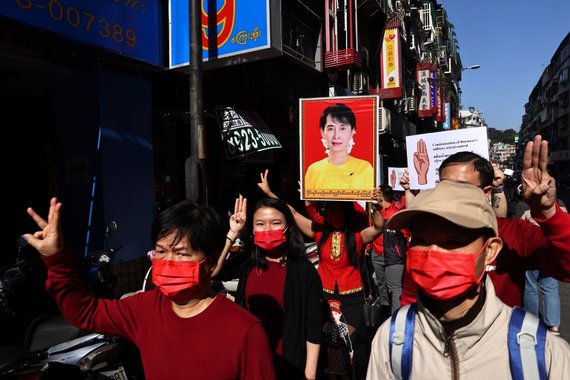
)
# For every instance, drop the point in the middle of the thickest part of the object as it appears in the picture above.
(111, 228)
(22, 242)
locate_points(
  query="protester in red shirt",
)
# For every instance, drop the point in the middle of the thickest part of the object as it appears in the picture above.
(526, 246)
(340, 246)
(183, 328)
(389, 254)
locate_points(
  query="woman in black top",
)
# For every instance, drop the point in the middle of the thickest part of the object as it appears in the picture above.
(277, 284)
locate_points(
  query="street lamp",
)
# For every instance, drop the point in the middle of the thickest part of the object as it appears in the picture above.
(472, 67)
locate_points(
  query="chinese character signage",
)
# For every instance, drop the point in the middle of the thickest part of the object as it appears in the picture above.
(390, 65)
(424, 78)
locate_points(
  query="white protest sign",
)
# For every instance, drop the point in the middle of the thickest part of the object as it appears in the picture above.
(394, 175)
(426, 152)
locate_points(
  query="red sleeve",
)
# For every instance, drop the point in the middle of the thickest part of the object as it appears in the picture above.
(314, 214)
(256, 359)
(78, 306)
(556, 230)
(547, 246)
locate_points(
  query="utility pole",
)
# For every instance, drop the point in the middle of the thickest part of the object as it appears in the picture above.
(195, 165)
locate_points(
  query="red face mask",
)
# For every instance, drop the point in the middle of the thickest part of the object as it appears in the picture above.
(443, 275)
(178, 280)
(269, 240)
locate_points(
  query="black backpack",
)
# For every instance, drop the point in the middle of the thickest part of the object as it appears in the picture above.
(394, 243)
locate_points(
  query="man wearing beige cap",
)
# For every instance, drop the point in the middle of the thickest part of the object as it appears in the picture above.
(461, 328)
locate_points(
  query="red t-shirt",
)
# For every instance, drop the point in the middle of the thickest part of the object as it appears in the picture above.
(222, 342)
(264, 299)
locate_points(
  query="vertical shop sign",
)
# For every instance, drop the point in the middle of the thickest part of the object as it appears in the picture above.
(423, 76)
(433, 91)
(447, 121)
(390, 64)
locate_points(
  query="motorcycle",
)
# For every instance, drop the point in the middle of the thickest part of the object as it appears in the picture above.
(54, 349)
(98, 273)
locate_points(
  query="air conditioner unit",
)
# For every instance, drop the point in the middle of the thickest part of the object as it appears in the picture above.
(384, 119)
(411, 105)
(412, 44)
(360, 83)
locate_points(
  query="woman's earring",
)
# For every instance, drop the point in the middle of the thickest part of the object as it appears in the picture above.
(324, 141)
(350, 145)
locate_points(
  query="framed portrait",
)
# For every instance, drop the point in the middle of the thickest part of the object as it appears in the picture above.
(338, 147)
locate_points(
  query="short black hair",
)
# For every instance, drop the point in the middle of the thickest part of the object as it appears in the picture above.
(480, 164)
(387, 193)
(340, 112)
(201, 225)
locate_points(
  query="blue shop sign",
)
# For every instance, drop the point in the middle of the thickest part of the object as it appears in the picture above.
(241, 26)
(128, 27)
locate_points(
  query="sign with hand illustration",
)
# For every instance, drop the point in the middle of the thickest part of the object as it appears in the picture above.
(426, 152)
(394, 175)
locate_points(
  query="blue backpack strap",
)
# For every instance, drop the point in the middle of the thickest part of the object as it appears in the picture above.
(401, 341)
(526, 340)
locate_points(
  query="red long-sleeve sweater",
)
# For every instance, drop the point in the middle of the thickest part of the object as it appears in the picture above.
(222, 342)
(525, 246)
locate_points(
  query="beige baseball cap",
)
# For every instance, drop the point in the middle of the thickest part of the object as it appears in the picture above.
(462, 204)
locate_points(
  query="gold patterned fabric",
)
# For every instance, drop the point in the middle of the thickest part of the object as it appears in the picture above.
(336, 248)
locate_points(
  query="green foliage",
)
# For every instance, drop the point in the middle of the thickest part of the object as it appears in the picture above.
(507, 136)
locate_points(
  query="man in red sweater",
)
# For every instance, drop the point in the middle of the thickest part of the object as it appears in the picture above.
(526, 246)
(183, 328)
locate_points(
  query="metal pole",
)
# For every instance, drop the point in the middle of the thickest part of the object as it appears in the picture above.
(196, 184)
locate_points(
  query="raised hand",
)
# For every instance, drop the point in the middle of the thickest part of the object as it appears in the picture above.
(498, 175)
(421, 162)
(377, 196)
(405, 180)
(264, 184)
(49, 240)
(239, 217)
(539, 188)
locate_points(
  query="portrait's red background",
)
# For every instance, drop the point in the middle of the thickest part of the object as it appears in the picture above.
(365, 109)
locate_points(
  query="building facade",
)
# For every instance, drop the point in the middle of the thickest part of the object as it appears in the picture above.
(471, 118)
(547, 113)
(503, 154)
(102, 113)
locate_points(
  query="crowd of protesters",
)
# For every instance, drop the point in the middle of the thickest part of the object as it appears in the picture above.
(449, 271)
